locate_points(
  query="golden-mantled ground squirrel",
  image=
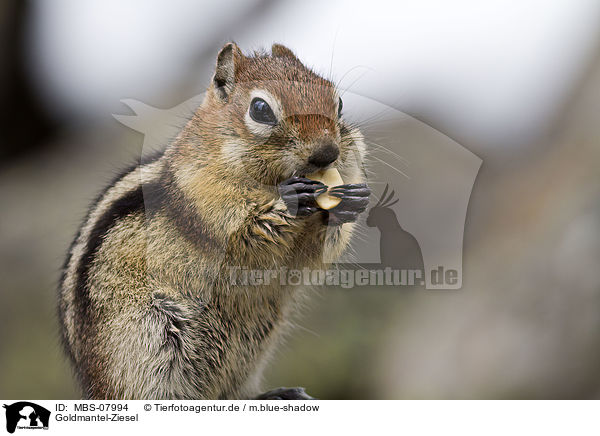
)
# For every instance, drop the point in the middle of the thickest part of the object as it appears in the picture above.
(147, 306)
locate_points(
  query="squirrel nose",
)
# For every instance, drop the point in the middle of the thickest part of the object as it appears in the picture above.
(324, 155)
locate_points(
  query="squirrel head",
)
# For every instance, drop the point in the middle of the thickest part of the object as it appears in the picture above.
(269, 117)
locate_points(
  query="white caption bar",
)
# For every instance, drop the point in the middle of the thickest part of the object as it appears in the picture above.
(300, 417)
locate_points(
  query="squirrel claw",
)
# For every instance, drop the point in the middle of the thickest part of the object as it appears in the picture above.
(285, 394)
(340, 217)
(355, 199)
(351, 190)
(299, 193)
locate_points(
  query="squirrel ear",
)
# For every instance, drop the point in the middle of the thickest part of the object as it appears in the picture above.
(279, 50)
(227, 60)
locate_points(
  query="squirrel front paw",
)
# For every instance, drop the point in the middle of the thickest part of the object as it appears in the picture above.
(285, 394)
(299, 194)
(355, 199)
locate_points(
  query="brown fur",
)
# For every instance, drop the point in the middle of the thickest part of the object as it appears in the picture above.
(146, 303)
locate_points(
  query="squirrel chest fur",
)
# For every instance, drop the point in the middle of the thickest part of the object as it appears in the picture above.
(147, 305)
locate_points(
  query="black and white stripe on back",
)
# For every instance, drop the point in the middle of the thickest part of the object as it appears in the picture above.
(123, 197)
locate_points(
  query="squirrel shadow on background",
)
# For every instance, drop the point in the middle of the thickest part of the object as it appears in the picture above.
(398, 249)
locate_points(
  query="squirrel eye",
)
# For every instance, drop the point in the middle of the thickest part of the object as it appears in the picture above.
(340, 107)
(261, 112)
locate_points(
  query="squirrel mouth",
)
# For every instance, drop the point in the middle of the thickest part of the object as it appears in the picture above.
(311, 169)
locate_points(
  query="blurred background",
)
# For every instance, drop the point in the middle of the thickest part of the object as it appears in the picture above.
(516, 84)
